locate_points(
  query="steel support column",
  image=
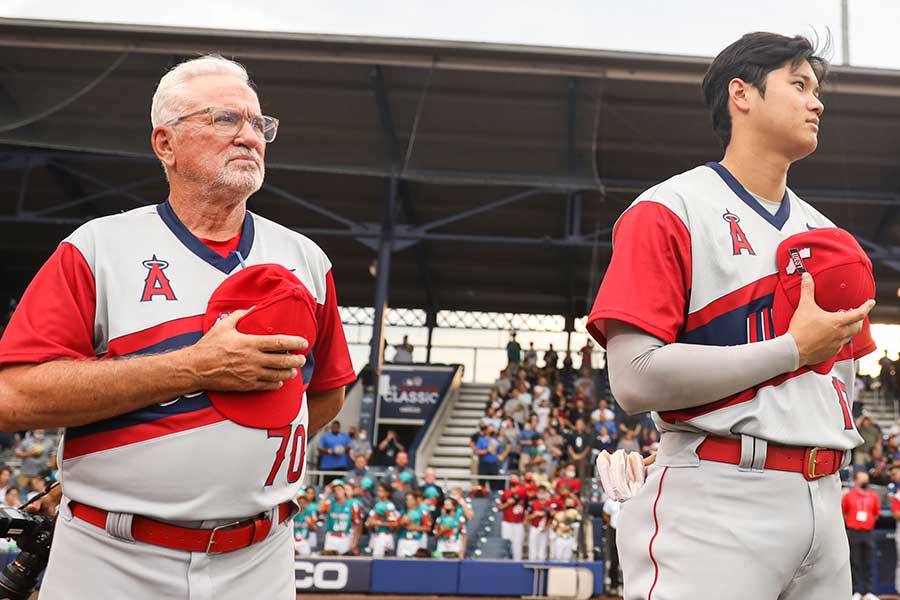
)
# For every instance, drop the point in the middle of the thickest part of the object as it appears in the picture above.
(382, 278)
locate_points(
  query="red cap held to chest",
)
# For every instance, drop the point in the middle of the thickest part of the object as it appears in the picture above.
(840, 269)
(282, 306)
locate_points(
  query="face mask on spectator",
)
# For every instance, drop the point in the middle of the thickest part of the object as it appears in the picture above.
(542, 448)
(570, 473)
(361, 435)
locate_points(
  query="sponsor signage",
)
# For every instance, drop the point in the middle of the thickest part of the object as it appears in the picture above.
(332, 575)
(413, 393)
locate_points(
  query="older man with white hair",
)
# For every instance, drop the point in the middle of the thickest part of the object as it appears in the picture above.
(163, 495)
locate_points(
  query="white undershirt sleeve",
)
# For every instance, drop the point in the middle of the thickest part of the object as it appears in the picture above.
(647, 374)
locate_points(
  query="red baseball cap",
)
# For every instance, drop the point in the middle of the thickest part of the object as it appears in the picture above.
(281, 305)
(840, 269)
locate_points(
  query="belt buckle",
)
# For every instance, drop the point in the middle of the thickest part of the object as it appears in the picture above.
(212, 535)
(810, 460)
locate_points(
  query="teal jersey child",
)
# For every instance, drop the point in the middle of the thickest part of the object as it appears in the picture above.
(305, 522)
(421, 517)
(451, 527)
(386, 513)
(340, 518)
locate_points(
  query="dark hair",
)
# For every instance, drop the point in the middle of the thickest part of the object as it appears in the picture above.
(752, 58)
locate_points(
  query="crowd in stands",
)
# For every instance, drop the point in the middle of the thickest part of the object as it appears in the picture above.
(546, 420)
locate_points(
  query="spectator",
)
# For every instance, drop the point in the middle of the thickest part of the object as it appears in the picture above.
(490, 418)
(430, 483)
(586, 356)
(555, 421)
(886, 376)
(382, 522)
(5, 477)
(603, 414)
(388, 449)
(585, 383)
(473, 446)
(541, 391)
(334, 447)
(530, 356)
(566, 424)
(515, 409)
(502, 385)
(513, 350)
(401, 466)
(871, 435)
(12, 497)
(509, 437)
(611, 520)
(361, 446)
(403, 353)
(528, 442)
(512, 507)
(551, 359)
(580, 444)
(628, 443)
(556, 449)
(487, 449)
(567, 362)
(36, 485)
(649, 441)
(34, 450)
(522, 377)
(7, 440)
(360, 468)
(879, 468)
(542, 412)
(579, 412)
(603, 440)
(525, 397)
(861, 508)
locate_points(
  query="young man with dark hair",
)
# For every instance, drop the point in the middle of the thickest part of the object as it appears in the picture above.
(752, 397)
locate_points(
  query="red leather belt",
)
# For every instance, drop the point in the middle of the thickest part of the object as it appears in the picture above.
(813, 463)
(225, 538)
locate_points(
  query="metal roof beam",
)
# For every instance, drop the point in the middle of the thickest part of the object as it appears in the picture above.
(480, 209)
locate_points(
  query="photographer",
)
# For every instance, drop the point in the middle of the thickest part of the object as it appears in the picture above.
(386, 454)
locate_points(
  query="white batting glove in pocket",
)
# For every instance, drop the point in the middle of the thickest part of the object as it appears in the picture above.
(621, 474)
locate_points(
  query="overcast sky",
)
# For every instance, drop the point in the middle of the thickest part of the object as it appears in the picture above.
(698, 27)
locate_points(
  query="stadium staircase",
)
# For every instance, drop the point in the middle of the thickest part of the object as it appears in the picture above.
(883, 410)
(452, 456)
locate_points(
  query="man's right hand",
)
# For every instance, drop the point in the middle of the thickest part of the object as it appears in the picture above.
(226, 360)
(820, 334)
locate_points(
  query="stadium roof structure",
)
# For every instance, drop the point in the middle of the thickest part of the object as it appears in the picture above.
(487, 176)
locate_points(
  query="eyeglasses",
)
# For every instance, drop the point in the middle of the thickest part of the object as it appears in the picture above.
(228, 122)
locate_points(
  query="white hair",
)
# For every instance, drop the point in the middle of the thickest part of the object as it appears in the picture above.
(168, 102)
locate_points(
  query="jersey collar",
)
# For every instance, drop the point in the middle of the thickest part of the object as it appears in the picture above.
(777, 220)
(226, 264)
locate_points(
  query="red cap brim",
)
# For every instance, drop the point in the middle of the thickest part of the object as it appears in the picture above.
(281, 306)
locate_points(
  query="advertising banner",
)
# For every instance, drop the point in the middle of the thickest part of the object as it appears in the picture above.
(333, 574)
